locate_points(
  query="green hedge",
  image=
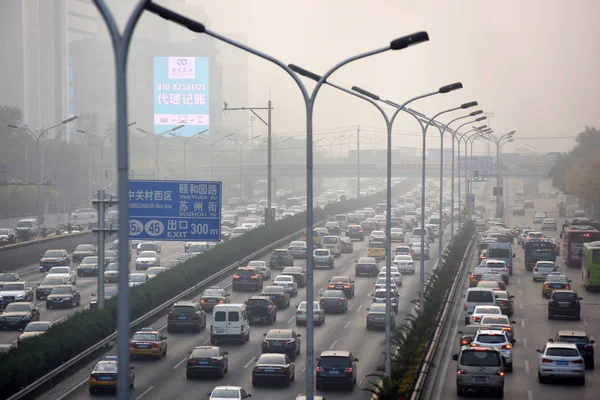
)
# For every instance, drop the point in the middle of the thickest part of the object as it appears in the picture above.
(66, 340)
(413, 338)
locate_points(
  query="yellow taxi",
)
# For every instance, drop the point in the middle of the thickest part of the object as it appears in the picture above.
(212, 296)
(347, 245)
(316, 237)
(104, 375)
(148, 342)
(376, 250)
(555, 281)
(111, 273)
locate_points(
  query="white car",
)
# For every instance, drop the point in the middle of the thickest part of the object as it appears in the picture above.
(251, 208)
(137, 279)
(381, 283)
(238, 231)
(560, 360)
(377, 236)
(229, 393)
(396, 275)
(152, 272)
(147, 259)
(480, 311)
(498, 266)
(404, 263)
(64, 272)
(549, 224)
(318, 313)
(84, 215)
(499, 339)
(434, 228)
(249, 225)
(417, 252)
(262, 267)
(396, 235)
(288, 283)
(542, 269)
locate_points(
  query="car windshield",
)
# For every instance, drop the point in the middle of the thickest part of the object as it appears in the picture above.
(382, 294)
(256, 264)
(376, 245)
(321, 252)
(480, 358)
(498, 253)
(495, 319)
(240, 230)
(272, 290)
(7, 278)
(143, 247)
(559, 296)
(145, 336)
(90, 260)
(147, 254)
(490, 338)
(330, 240)
(573, 339)
(556, 278)
(213, 292)
(17, 307)
(205, 353)
(298, 244)
(340, 279)
(333, 293)
(333, 362)
(197, 248)
(53, 254)
(106, 367)
(491, 277)
(24, 224)
(62, 290)
(137, 278)
(303, 305)
(59, 270)
(37, 327)
(85, 247)
(112, 267)
(17, 286)
(171, 264)
(155, 270)
(280, 253)
(562, 352)
(545, 265)
(281, 278)
(51, 281)
(279, 335)
(480, 296)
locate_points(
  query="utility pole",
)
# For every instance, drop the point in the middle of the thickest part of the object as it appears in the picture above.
(102, 204)
(489, 115)
(358, 161)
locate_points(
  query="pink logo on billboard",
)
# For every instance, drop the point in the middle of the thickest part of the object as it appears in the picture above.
(182, 68)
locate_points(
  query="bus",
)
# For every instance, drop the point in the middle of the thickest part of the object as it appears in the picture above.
(590, 265)
(581, 221)
(573, 239)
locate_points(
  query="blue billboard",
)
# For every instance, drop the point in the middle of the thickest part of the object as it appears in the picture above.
(181, 94)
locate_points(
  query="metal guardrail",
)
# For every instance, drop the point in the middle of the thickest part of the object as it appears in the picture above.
(64, 367)
(441, 323)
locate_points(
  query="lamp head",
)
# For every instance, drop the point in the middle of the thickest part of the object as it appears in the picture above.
(304, 72)
(469, 105)
(481, 127)
(365, 93)
(481, 119)
(474, 113)
(409, 40)
(451, 87)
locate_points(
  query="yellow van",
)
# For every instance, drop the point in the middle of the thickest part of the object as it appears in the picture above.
(376, 250)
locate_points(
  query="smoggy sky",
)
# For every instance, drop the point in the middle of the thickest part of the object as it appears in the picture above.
(534, 63)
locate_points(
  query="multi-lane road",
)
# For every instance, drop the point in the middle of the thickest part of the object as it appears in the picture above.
(532, 328)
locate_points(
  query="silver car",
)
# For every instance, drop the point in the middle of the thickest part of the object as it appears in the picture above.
(318, 313)
(298, 249)
(499, 339)
(65, 272)
(480, 369)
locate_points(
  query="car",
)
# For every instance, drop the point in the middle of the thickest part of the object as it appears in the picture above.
(207, 360)
(555, 282)
(137, 279)
(377, 236)
(501, 322)
(347, 245)
(496, 338)
(147, 259)
(148, 246)
(395, 273)
(18, 315)
(518, 210)
(212, 296)
(417, 252)
(109, 292)
(481, 369)
(111, 273)
(542, 269)
(16, 292)
(273, 368)
(278, 294)
(288, 282)
(285, 341)
(498, 266)
(33, 329)
(376, 250)
(281, 258)
(381, 283)
(560, 361)
(549, 224)
(6, 277)
(88, 266)
(298, 249)
(467, 334)
(318, 313)
(172, 264)
(53, 258)
(225, 232)
(584, 344)
(247, 278)
(366, 266)
(494, 276)
(489, 284)
(343, 283)
(355, 232)
(323, 257)
(7, 236)
(298, 273)
(148, 342)
(64, 272)
(539, 217)
(185, 315)
(333, 227)
(565, 303)
(397, 235)
(376, 317)
(480, 311)
(404, 264)
(82, 251)
(505, 301)
(110, 256)
(186, 256)
(402, 251)
(152, 272)
(336, 368)
(104, 375)
(63, 296)
(261, 309)
(229, 393)
(380, 297)
(334, 300)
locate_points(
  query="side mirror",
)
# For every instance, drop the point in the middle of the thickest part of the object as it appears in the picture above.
(550, 340)
(514, 255)
(367, 309)
(131, 367)
(513, 341)
(455, 357)
(512, 296)
(227, 295)
(39, 284)
(248, 395)
(164, 338)
(581, 298)
(298, 335)
(569, 281)
(208, 394)
(592, 341)
(318, 359)
(460, 332)
(264, 334)
(463, 296)
(561, 235)
(21, 330)
(513, 322)
(356, 359)
(225, 353)
(538, 350)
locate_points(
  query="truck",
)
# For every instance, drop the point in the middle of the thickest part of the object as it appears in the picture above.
(540, 250)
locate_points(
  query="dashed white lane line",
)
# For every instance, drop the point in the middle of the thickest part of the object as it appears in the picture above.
(249, 362)
(523, 323)
(343, 268)
(524, 342)
(145, 392)
(179, 363)
(321, 290)
(291, 319)
(303, 369)
(518, 281)
(60, 319)
(206, 341)
(585, 322)
(530, 394)
(521, 306)
(40, 303)
(333, 345)
(520, 293)
(526, 366)
(359, 308)
(347, 324)
(361, 379)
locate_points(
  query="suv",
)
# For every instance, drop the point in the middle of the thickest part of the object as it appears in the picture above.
(480, 369)
(497, 339)
(186, 314)
(53, 258)
(298, 273)
(564, 302)
(261, 308)
(335, 368)
(15, 292)
(355, 232)
(323, 257)
(582, 341)
(281, 258)
(245, 277)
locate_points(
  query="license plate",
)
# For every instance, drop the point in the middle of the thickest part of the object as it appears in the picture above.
(255, 318)
(269, 370)
(219, 330)
(334, 372)
(565, 305)
(142, 346)
(105, 378)
(480, 379)
(562, 363)
(182, 317)
(203, 362)
(212, 301)
(276, 344)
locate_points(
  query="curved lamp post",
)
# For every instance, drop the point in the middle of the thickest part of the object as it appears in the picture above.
(157, 137)
(185, 141)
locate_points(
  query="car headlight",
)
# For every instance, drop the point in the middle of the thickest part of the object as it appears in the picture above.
(20, 296)
(26, 317)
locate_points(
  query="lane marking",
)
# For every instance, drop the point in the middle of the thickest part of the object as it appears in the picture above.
(526, 366)
(523, 323)
(40, 303)
(347, 324)
(359, 308)
(321, 290)
(249, 362)
(303, 369)
(524, 342)
(529, 394)
(291, 319)
(333, 345)
(74, 388)
(343, 268)
(519, 281)
(60, 319)
(145, 392)
(206, 341)
(585, 322)
(179, 363)
(521, 305)
(163, 327)
(520, 293)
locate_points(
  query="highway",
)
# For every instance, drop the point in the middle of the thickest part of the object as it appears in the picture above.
(532, 327)
(164, 379)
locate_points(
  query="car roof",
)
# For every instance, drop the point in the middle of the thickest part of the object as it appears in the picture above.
(571, 333)
(335, 353)
(279, 331)
(259, 297)
(560, 345)
(184, 303)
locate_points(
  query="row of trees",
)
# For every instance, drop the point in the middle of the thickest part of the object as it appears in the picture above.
(576, 172)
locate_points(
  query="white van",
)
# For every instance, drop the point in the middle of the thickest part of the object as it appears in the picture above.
(477, 297)
(333, 243)
(229, 322)
(29, 225)
(341, 219)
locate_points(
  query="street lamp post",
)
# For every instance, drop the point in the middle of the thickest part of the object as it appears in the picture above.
(157, 137)
(212, 144)
(38, 135)
(241, 145)
(275, 145)
(460, 137)
(185, 141)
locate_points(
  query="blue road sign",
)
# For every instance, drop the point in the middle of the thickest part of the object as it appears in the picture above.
(175, 210)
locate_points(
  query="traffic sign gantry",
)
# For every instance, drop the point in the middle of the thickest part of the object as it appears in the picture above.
(175, 210)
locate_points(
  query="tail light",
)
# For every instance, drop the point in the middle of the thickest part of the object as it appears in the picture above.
(265, 342)
(577, 361)
(507, 347)
(507, 329)
(567, 287)
(319, 369)
(461, 372)
(464, 342)
(346, 286)
(254, 277)
(154, 345)
(170, 316)
(472, 277)
(505, 269)
(221, 301)
(255, 369)
(93, 376)
(535, 269)
(298, 312)
(341, 300)
(191, 362)
(546, 360)
(216, 361)
(330, 287)
(500, 373)
(201, 300)
(322, 300)
(290, 342)
(465, 306)
(236, 277)
(546, 286)
(195, 316)
(588, 347)
(348, 370)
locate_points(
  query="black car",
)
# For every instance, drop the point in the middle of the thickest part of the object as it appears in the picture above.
(281, 258)
(18, 315)
(8, 277)
(285, 341)
(54, 258)
(225, 233)
(63, 296)
(110, 256)
(584, 344)
(206, 360)
(88, 266)
(564, 303)
(333, 228)
(298, 273)
(335, 368)
(355, 232)
(280, 297)
(45, 287)
(364, 267)
(186, 314)
(270, 368)
(82, 251)
(260, 309)
(343, 283)
(376, 317)
(109, 292)
(334, 300)
(247, 278)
